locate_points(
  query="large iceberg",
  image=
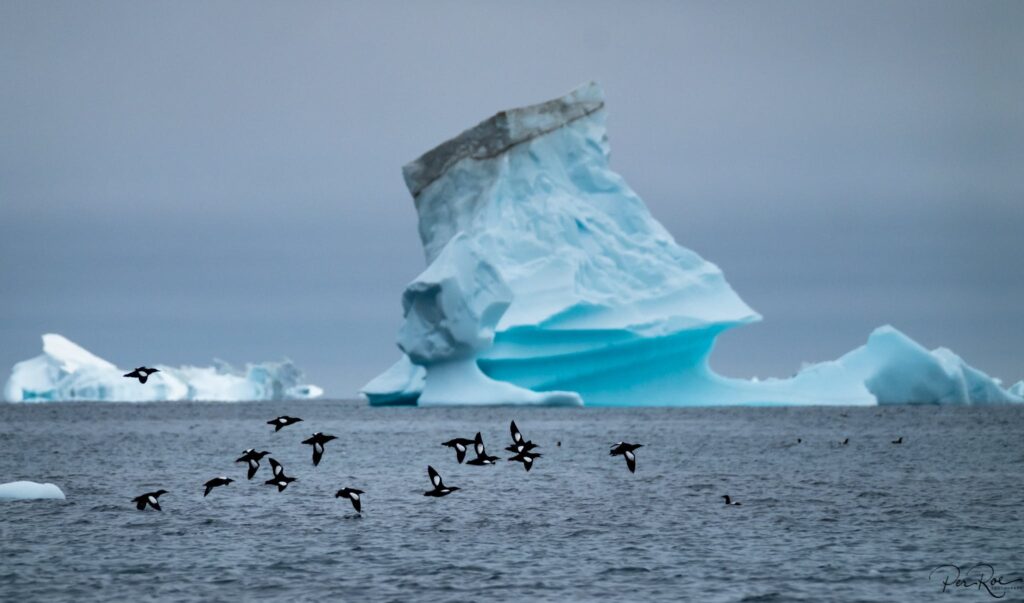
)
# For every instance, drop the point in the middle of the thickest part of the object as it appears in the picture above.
(65, 371)
(549, 282)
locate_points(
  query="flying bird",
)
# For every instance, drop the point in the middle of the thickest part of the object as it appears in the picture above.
(519, 444)
(317, 442)
(626, 449)
(482, 458)
(141, 373)
(280, 479)
(898, 441)
(283, 421)
(460, 445)
(149, 498)
(253, 458)
(730, 501)
(353, 495)
(216, 483)
(526, 458)
(439, 488)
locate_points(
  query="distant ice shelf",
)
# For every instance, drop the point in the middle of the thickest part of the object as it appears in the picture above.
(548, 282)
(65, 372)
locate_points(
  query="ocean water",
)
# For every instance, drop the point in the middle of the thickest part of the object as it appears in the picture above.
(869, 521)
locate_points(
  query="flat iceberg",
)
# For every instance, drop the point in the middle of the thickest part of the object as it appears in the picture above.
(29, 490)
(549, 282)
(65, 371)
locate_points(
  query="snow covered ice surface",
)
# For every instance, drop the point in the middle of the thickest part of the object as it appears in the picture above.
(29, 490)
(65, 371)
(549, 282)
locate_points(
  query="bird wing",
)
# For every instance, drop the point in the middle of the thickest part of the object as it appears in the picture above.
(208, 488)
(276, 467)
(435, 478)
(356, 503)
(460, 453)
(140, 502)
(318, 453)
(253, 466)
(516, 436)
(479, 444)
(630, 461)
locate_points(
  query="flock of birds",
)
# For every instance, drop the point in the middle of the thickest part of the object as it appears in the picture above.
(522, 448)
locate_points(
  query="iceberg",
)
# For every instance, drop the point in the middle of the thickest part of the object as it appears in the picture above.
(65, 371)
(29, 490)
(549, 282)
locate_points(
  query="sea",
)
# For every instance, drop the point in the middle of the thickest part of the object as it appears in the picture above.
(939, 517)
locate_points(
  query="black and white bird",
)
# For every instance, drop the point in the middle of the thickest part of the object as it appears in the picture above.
(141, 373)
(280, 479)
(353, 495)
(898, 441)
(460, 445)
(216, 483)
(253, 458)
(519, 444)
(317, 442)
(482, 458)
(149, 498)
(626, 449)
(283, 421)
(730, 501)
(526, 458)
(439, 488)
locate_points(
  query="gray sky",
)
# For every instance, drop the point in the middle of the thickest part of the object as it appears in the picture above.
(183, 181)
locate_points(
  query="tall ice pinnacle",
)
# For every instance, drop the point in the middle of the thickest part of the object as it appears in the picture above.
(549, 282)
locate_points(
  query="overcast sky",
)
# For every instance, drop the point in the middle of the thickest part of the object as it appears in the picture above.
(184, 181)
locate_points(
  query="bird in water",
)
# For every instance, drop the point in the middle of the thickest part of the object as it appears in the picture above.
(730, 501)
(216, 483)
(149, 498)
(141, 373)
(519, 444)
(353, 495)
(846, 441)
(439, 488)
(317, 442)
(482, 458)
(626, 449)
(898, 441)
(283, 421)
(253, 458)
(460, 445)
(280, 479)
(526, 458)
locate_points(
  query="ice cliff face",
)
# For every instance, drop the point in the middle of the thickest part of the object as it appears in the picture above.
(66, 371)
(549, 282)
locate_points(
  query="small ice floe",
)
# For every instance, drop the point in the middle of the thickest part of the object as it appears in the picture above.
(29, 491)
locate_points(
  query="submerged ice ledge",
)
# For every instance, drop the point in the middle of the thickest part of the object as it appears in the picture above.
(549, 282)
(65, 372)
